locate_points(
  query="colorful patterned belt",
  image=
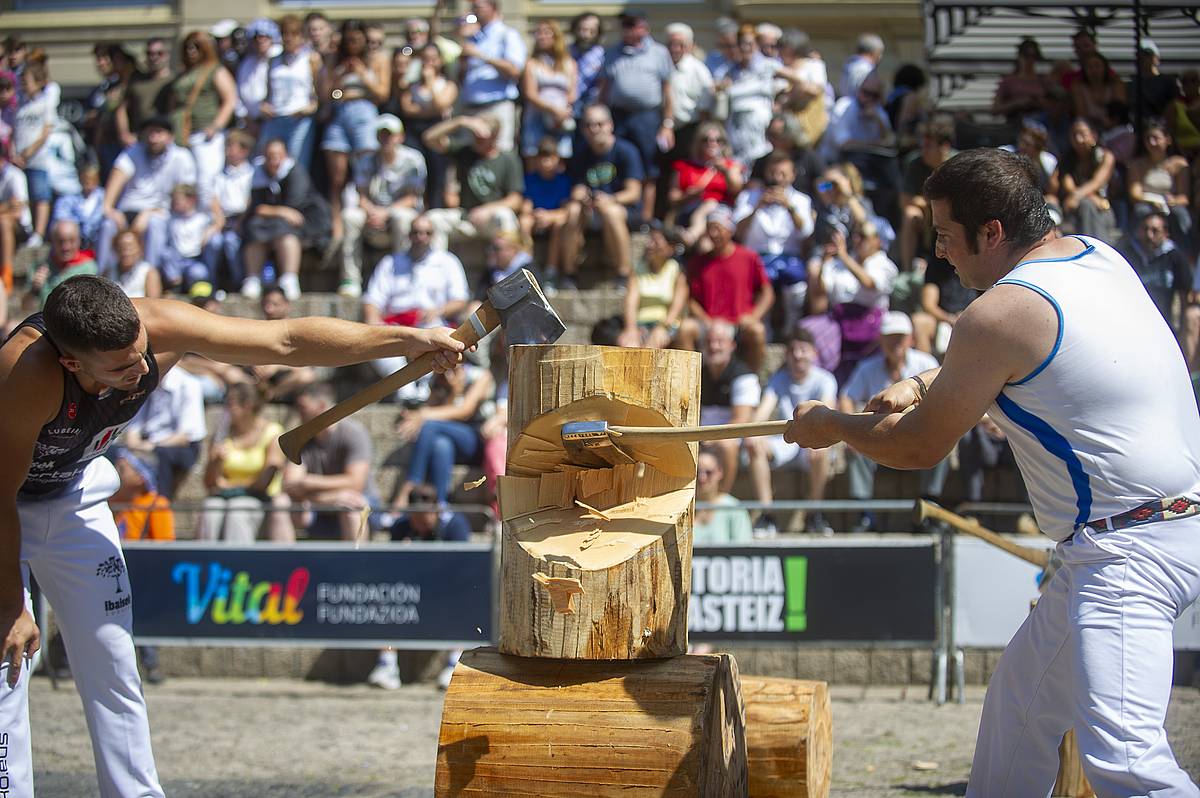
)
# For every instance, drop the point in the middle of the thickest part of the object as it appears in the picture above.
(1148, 513)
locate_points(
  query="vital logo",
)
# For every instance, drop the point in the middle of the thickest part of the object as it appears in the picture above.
(748, 594)
(227, 598)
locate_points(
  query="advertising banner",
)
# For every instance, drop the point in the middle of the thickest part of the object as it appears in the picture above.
(833, 591)
(436, 595)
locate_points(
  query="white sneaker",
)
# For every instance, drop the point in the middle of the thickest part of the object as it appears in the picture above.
(349, 288)
(447, 673)
(34, 241)
(290, 284)
(252, 287)
(385, 676)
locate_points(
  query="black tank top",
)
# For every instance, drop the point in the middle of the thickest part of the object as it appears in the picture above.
(86, 425)
(718, 391)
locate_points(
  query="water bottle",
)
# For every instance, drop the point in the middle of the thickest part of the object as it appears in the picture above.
(268, 273)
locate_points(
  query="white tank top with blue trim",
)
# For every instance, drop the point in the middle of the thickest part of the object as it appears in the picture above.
(1108, 421)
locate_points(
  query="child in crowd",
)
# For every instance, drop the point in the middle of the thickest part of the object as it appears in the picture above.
(188, 230)
(230, 198)
(547, 190)
(85, 208)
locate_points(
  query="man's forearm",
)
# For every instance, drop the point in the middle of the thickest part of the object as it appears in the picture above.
(328, 483)
(317, 341)
(889, 439)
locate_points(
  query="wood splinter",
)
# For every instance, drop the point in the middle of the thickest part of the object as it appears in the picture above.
(472, 485)
(562, 590)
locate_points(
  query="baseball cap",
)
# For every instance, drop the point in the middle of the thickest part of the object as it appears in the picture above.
(223, 28)
(634, 13)
(722, 216)
(896, 323)
(1148, 46)
(389, 122)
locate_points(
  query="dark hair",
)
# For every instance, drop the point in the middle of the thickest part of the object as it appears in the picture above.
(318, 391)
(800, 334)
(350, 26)
(909, 76)
(940, 128)
(988, 184)
(606, 331)
(247, 394)
(90, 314)
(581, 17)
(273, 288)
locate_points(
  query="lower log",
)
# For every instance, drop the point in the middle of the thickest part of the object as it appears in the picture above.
(789, 737)
(518, 726)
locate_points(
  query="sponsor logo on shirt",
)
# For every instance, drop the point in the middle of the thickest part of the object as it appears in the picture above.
(103, 439)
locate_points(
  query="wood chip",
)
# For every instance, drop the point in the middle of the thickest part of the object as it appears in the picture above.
(474, 483)
(362, 527)
(562, 591)
(921, 764)
(598, 513)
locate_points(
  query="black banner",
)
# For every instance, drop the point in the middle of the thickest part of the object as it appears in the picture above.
(412, 596)
(813, 593)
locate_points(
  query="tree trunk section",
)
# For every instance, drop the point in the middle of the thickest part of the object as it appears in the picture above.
(535, 727)
(596, 562)
(1071, 783)
(789, 737)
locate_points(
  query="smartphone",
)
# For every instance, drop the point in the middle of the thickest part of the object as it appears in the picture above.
(825, 185)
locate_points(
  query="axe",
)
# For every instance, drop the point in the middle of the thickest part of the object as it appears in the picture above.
(516, 303)
(1038, 557)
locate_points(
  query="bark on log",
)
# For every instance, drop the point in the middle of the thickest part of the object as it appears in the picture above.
(514, 726)
(596, 562)
(1071, 782)
(789, 737)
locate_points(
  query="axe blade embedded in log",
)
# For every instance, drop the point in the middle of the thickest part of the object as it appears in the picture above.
(588, 442)
(925, 509)
(516, 303)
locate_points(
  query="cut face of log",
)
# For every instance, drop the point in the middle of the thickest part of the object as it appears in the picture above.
(536, 727)
(789, 737)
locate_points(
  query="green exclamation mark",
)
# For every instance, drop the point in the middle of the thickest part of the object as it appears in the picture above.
(795, 571)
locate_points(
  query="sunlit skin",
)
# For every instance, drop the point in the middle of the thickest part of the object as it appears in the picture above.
(120, 369)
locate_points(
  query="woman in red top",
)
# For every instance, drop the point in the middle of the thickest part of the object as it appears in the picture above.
(708, 179)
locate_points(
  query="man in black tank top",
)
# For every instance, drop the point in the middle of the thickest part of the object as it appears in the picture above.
(71, 379)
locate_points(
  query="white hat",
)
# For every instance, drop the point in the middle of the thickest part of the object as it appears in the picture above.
(1148, 46)
(223, 28)
(388, 122)
(896, 323)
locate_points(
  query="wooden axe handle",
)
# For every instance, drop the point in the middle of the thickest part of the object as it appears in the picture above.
(713, 432)
(1038, 557)
(296, 439)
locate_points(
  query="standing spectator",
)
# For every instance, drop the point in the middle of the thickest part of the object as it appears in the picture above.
(229, 42)
(1160, 182)
(189, 230)
(424, 103)
(1085, 171)
(547, 190)
(1022, 91)
(356, 82)
(588, 53)
(720, 57)
(36, 115)
(290, 104)
(244, 474)
(1162, 266)
(548, 84)
(145, 96)
(376, 36)
(116, 68)
(252, 82)
(490, 67)
(85, 208)
(334, 472)
(230, 199)
(8, 109)
(64, 261)
(1156, 89)
(729, 391)
(748, 88)
(606, 195)
(766, 39)
(636, 87)
(708, 178)
(805, 79)
(725, 523)
(390, 185)
(135, 275)
(322, 39)
(692, 88)
(868, 52)
(896, 361)
(278, 383)
(16, 222)
(1183, 114)
(729, 284)
(799, 380)
(491, 178)
(169, 429)
(425, 521)
(286, 214)
(201, 101)
(1096, 87)
(420, 33)
(655, 295)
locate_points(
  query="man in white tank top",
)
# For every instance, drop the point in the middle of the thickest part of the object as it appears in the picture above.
(1068, 354)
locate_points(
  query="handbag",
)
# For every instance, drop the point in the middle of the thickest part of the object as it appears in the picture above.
(185, 117)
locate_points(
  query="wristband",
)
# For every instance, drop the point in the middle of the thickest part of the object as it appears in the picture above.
(922, 388)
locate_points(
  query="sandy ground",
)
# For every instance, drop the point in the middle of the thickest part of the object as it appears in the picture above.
(291, 739)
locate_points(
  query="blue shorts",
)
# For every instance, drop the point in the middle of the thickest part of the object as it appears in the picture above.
(39, 185)
(352, 128)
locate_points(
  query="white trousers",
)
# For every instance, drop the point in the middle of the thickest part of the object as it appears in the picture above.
(72, 547)
(354, 223)
(451, 224)
(1094, 655)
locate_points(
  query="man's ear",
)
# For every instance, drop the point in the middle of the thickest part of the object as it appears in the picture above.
(71, 364)
(992, 234)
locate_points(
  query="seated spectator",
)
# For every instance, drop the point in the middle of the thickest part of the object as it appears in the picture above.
(230, 199)
(289, 108)
(708, 178)
(1022, 92)
(492, 181)
(1033, 142)
(852, 284)
(868, 53)
(1163, 267)
(64, 261)
(1119, 136)
(425, 101)
(201, 101)
(424, 519)
(748, 89)
(548, 83)
(656, 294)
(1183, 115)
(691, 88)
(1097, 86)
(139, 189)
(279, 383)
(808, 96)
(859, 123)
(1156, 89)
(285, 215)
(447, 432)
(937, 147)
(169, 429)
(189, 231)
(984, 448)
(507, 254)
(842, 204)
(1084, 174)
(85, 208)
(726, 523)
(729, 392)
(943, 298)
(547, 189)
(244, 475)
(799, 380)
(729, 284)
(908, 106)
(16, 220)
(1159, 182)
(136, 276)
(774, 221)
(782, 134)
(37, 112)
(895, 361)
(606, 195)
(8, 107)
(390, 185)
(334, 472)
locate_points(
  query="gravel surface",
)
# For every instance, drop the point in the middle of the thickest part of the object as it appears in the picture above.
(236, 738)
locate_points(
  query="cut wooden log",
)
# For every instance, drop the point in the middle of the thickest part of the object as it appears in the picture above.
(596, 562)
(789, 737)
(1071, 781)
(514, 726)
